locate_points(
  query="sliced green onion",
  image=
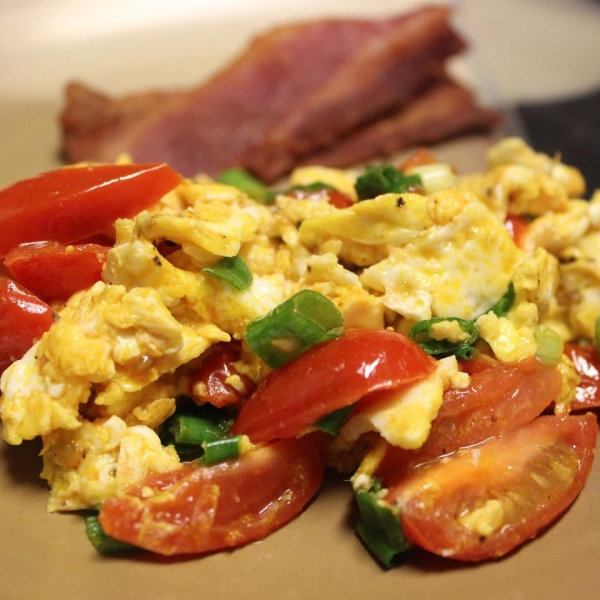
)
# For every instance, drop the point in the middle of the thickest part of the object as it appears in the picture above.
(225, 449)
(421, 333)
(242, 180)
(333, 422)
(194, 430)
(187, 430)
(435, 176)
(503, 306)
(233, 270)
(597, 336)
(306, 319)
(384, 179)
(380, 530)
(550, 345)
(105, 544)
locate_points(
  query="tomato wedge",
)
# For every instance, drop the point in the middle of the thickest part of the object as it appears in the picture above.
(212, 381)
(500, 399)
(587, 365)
(483, 502)
(71, 204)
(23, 319)
(329, 376)
(203, 508)
(53, 271)
(421, 156)
(517, 226)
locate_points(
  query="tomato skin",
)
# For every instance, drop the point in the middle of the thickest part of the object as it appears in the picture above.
(534, 472)
(500, 399)
(23, 319)
(204, 508)
(71, 204)
(53, 271)
(337, 199)
(587, 365)
(421, 156)
(517, 226)
(327, 377)
(209, 382)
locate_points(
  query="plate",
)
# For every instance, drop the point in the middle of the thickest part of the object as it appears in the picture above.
(516, 55)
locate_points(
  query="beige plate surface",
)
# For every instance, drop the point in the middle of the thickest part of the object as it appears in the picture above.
(521, 49)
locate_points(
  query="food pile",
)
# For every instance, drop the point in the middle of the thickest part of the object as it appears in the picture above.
(194, 354)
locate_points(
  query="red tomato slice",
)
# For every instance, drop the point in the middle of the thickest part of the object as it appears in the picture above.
(587, 365)
(500, 399)
(69, 205)
(204, 508)
(54, 272)
(210, 382)
(23, 319)
(338, 199)
(519, 483)
(421, 156)
(517, 226)
(327, 377)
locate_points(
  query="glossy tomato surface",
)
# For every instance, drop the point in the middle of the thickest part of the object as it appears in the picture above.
(213, 381)
(587, 365)
(484, 501)
(71, 204)
(499, 399)
(23, 319)
(517, 226)
(203, 508)
(330, 376)
(53, 271)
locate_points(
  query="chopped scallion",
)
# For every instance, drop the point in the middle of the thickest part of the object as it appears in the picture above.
(105, 544)
(242, 180)
(503, 306)
(384, 179)
(550, 345)
(233, 270)
(421, 333)
(195, 430)
(380, 530)
(306, 319)
(225, 449)
(332, 422)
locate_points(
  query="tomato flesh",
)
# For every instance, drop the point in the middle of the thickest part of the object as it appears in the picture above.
(421, 156)
(53, 271)
(71, 204)
(587, 365)
(337, 199)
(517, 226)
(483, 502)
(499, 399)
(204, 508)
(329, 376)
(23, 319)
(211, 382)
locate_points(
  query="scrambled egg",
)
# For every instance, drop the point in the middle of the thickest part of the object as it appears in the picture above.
(103, 379)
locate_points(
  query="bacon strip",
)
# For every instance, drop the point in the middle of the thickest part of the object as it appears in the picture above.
(444, 110)
(296, 90)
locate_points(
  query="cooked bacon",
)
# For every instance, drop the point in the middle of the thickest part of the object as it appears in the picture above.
(297, 89)
(444, 110)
